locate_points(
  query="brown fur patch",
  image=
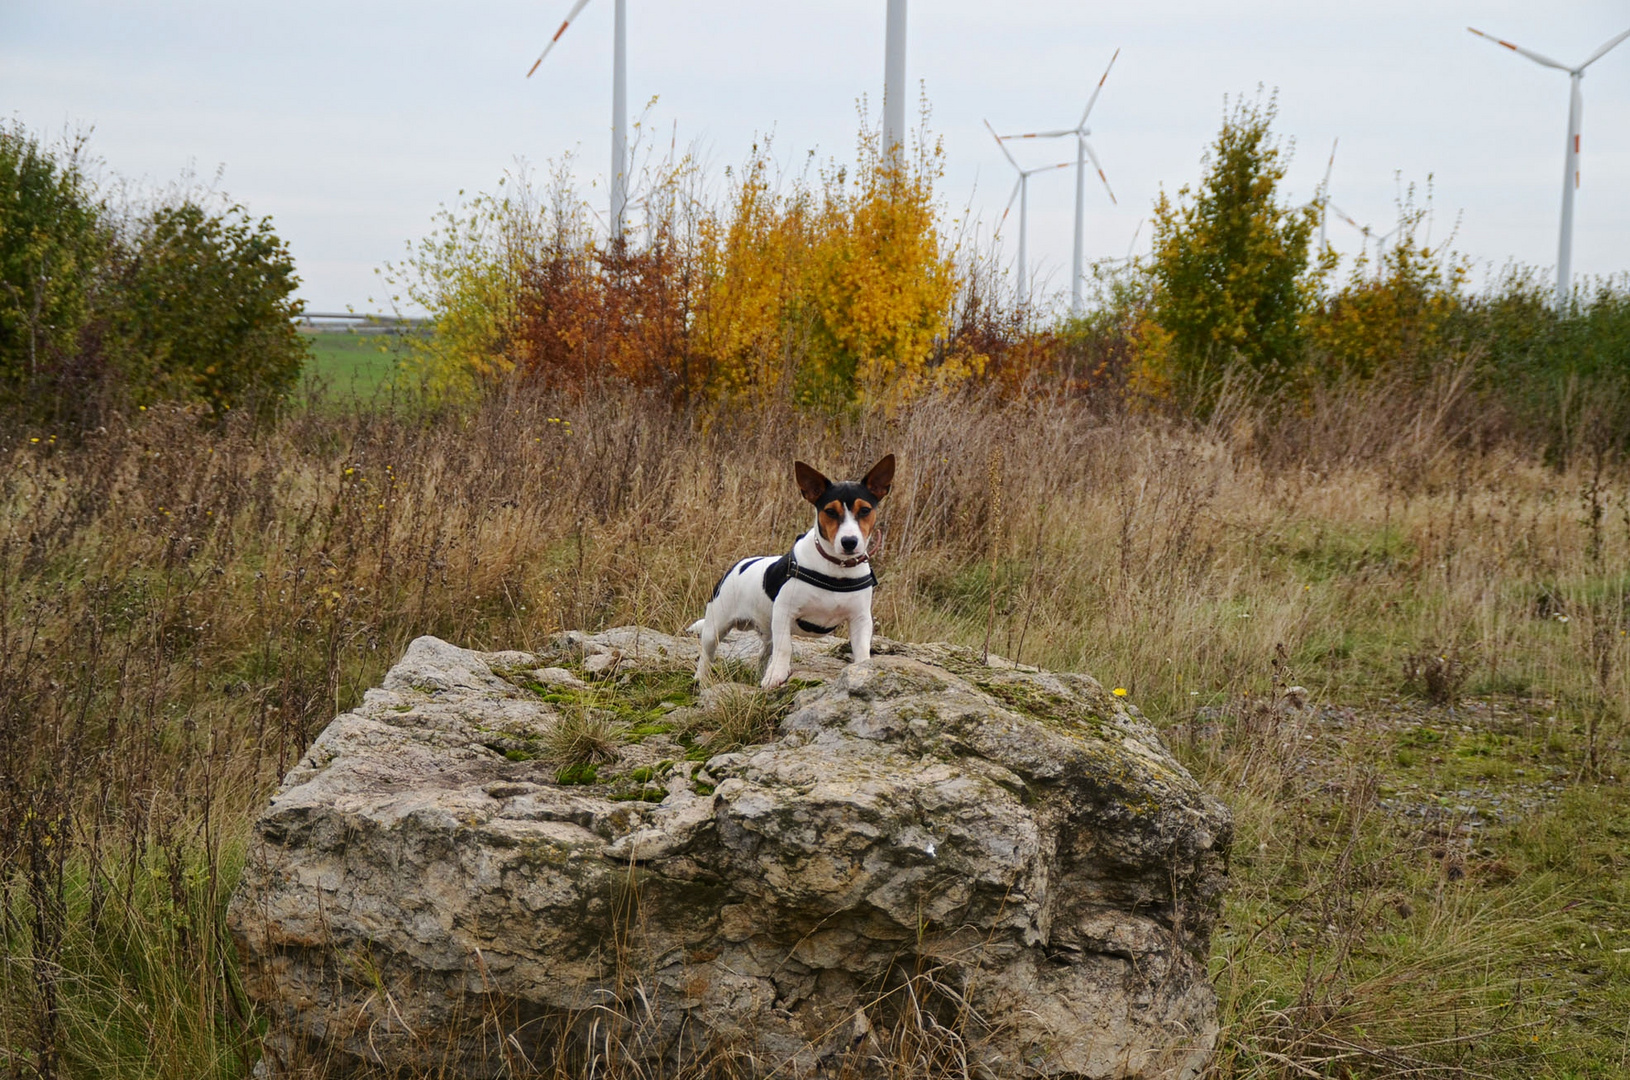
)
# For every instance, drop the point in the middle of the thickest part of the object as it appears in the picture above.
(866, 522)
(829, 523)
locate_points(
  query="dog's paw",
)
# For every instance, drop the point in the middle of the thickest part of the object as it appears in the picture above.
(774, 677)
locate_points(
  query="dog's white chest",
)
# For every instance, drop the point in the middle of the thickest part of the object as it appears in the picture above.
(817, 605)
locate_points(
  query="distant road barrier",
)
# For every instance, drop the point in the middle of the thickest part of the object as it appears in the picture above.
(364, 322)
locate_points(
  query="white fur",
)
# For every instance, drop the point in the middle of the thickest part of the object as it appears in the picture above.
(742, 604)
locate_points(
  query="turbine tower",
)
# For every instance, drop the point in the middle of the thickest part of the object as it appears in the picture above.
(1021, 191)
(894, 80)
(1083, 151)
(619, 108)
(1570, 156)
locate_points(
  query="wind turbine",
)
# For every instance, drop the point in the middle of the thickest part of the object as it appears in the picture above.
(1021, 191)
(619, 108)
(1570, 157)
(1083, 151)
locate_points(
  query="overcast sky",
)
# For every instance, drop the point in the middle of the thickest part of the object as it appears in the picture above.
(350, 122)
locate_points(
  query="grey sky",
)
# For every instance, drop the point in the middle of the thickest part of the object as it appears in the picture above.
(350, 122)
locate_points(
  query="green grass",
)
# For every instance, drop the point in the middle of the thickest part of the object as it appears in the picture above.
(348, 365)
(1418, 890)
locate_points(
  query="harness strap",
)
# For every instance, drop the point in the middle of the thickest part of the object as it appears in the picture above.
(823, 581)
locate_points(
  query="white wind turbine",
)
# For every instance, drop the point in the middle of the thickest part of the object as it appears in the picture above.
(1021, 191)
(619, 107)
(1326, 207)
(1083, 151)
(1324, 196)
(1570, 157)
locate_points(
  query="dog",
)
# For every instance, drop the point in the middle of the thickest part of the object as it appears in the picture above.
(822, 583)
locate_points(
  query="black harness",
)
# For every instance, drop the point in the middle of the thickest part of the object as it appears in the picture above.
(786, 567)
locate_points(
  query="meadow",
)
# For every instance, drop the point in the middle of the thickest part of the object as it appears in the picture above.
(1428, 872)
(347, 365)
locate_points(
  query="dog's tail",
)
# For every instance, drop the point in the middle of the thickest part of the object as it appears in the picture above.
(696, 627)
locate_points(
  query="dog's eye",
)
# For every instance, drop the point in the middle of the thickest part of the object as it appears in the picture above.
(863, 511)
(833, 514)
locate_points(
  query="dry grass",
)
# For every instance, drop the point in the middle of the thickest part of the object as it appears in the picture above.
(182, 608)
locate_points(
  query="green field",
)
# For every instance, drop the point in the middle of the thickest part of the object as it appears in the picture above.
(345, 364)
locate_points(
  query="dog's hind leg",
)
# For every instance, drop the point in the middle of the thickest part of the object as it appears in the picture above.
(780, 654)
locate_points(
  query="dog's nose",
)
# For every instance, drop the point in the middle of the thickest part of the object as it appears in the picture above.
(850, 543)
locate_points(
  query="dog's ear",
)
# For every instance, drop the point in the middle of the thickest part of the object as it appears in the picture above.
(881, 478)
(810, 482)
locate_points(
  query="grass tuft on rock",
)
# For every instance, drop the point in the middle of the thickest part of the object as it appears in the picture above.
(582, 737)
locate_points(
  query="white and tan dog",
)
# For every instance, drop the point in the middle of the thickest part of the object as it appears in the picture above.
(822, 583)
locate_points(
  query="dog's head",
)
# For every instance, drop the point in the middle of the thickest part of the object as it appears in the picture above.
(846, 512)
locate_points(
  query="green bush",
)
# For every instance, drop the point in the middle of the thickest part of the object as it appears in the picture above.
(206, 308)
(53, 243)
(1563, 377)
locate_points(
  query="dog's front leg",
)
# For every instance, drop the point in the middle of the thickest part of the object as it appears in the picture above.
(710, 644)
(780, 647)
(860, 636)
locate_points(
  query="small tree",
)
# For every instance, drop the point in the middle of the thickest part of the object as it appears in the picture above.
(1230, 274)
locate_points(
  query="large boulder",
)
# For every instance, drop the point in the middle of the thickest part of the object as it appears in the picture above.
(934, 860)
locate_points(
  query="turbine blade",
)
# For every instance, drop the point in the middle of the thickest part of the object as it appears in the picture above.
(1048, 168)
(1325, 187)
(1100, 169)
(1531, 54)
(1604, 50)
(570, 15)
(1095, 91)
(1017, 184)
(1040, 134)
(1003, 145)
(1345, 216)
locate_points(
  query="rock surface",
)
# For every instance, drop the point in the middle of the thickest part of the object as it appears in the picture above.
(936, 859)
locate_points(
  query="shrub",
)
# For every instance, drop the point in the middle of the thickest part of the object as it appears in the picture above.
(1401, 313)
(53, 242)
(1230, 270)
(206, 309)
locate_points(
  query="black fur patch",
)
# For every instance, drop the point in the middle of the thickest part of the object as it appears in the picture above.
(811, 628)
(847, 492)
(775, 575)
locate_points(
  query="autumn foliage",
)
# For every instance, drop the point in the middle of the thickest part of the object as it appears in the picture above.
(833, 290)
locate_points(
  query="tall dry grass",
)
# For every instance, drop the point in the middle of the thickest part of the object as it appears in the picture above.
(183, 605)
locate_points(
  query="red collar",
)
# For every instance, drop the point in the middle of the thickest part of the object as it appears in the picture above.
(856, 561)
